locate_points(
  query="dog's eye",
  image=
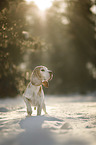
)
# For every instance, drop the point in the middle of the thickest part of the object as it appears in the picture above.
(42, 70)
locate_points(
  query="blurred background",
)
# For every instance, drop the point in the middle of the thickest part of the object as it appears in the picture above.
(60, 34)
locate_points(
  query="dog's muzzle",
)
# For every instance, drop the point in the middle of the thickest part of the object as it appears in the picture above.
(51, 74)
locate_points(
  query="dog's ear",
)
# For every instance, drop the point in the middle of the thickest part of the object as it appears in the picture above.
(36, 77)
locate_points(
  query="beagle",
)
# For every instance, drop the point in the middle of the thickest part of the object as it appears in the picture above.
(34, 94)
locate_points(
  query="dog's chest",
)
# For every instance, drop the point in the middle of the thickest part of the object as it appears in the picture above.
(34, 93)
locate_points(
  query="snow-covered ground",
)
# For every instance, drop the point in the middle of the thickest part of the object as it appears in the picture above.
(71, 120)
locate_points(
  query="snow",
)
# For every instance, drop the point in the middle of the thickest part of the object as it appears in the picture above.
(71, 120)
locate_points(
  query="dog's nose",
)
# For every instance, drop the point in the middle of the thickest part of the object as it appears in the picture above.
(50, 72)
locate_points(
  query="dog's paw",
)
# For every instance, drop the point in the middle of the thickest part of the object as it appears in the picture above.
(46, 113)
(28, 115)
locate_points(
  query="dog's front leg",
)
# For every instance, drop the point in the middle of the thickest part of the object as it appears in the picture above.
(44, 108)
(39, 108)
(28, 105)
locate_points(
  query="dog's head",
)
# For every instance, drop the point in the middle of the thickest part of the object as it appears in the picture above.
(41, 75)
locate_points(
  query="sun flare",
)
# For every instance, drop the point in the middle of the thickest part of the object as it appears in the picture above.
(42, 4)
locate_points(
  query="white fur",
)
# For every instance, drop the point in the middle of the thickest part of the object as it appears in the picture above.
(34, 94)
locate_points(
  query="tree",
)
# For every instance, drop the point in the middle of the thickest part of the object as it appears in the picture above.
(15, 41)
(69, 29)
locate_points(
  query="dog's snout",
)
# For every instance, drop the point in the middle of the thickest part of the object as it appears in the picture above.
(51, 74)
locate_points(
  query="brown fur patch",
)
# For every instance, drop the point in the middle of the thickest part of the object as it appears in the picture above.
(45, 84)
(36, 74)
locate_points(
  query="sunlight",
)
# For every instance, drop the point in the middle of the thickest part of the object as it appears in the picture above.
(28, 1)
(42, 4)
(93, 9)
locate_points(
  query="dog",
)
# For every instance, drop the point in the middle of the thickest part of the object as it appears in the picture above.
(34, 94)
